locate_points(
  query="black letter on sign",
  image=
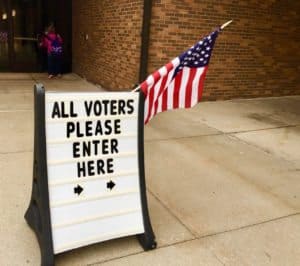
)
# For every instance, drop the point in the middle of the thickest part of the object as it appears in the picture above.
(108, 128)
(76, 150)
(117, 126)
(88, 107)
(55, 111)
(72, 111)
(110, 165)
(121, 106)
(130, 106)
(113, 107)
(100, 167)
(81, 169)
(70, 128)
(114, 146)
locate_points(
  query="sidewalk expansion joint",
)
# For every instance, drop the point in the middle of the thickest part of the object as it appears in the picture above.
(173, 214)
(185, 137)
(15, 152)
(197, 238)
(250, 225)
(220, 133)
(262, 129)
(16, 111)
(116, 258)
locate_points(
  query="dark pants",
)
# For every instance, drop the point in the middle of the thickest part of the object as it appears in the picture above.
(54, 64)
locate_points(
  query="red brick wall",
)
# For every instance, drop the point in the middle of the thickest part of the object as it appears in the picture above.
(257, 55)
(110, 56)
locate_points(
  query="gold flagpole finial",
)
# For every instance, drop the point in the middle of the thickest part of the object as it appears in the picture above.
(226, 24)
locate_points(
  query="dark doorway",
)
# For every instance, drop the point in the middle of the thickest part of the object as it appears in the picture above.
(60, 13)
(21, 22)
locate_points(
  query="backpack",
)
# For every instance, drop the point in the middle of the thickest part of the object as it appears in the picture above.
(56, 47)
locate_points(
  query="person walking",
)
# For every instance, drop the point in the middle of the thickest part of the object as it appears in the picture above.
(53, 43)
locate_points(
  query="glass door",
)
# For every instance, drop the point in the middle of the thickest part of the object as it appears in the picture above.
(19, 25)
(4, 33)
(25, 29)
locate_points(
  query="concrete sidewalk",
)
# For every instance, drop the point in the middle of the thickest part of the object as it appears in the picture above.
(223, 182)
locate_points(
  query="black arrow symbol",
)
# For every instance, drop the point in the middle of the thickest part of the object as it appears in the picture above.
(78, 190)
(110, 184)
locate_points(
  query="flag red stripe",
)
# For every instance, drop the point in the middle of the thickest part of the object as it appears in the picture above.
(189, 88)
(177, 84)
(164, 104)
(150, 103)
(162, 87)
(168, 67)
(201, 84)
(156, 77)
(144, 87)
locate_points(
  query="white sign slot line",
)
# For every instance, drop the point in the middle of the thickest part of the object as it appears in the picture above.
(84, 199)
(81, 139)
(93, 218)
(87, 178)
(89, 158)
(82, 98)
(72, 245)
(90, 118)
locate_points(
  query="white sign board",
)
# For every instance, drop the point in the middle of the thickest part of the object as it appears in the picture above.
(92, 165)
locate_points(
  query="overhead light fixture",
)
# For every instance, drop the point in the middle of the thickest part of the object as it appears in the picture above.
(4, 16)
(13, 12)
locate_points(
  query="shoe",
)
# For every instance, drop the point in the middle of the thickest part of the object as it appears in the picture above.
(50, 76)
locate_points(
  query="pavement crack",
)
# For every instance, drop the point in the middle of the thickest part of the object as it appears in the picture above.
(267, 151)
(249, 225)
(217, 258)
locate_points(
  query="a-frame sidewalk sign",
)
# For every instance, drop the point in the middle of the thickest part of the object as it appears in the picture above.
(88, 170)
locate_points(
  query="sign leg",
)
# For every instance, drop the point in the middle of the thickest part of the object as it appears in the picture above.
(38, 212)
(147, 240)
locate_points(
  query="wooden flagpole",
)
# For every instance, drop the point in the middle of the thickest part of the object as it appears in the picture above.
(226, 24)
(136, 89)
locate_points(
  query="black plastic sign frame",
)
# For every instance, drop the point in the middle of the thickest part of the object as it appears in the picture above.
(38, 213)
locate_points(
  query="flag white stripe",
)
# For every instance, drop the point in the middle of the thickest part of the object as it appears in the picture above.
(146, 106)
(156, 90)
(163, 72)
(150, 82)
(182, 89)
(170, 91)
(170, 75)
(159, 103)
(176, 62)
(170, 87)
(159, 99)
(194, 98)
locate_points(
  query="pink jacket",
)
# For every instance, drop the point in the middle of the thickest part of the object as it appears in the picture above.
(46, 41)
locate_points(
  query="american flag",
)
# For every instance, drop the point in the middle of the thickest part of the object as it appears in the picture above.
(179, 84)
